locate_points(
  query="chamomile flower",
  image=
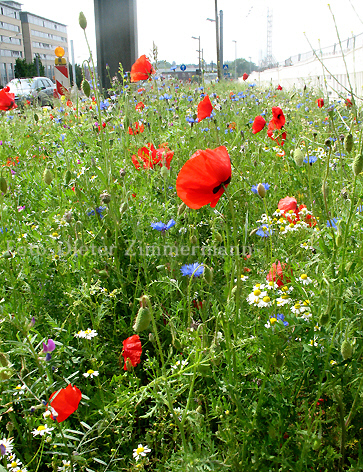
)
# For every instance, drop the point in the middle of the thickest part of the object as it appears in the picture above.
(19, 389)
(42, 430)
(88, 334)
(179, 364)
(304, 279)
(91, 373)
(140, 452)
(66, 466)
(14, 464)
(6, 446)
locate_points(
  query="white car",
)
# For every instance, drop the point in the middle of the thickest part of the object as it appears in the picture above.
(37, 89)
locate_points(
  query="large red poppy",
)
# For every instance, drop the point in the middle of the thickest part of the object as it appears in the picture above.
(7, 99)
(203, 177)
(287, 203)
(320, 102)
(278, 274)
(148, 156)
(245, 76)
(278, 117)
(258, 124)
(132, 350)
(275, 133)
(205, 108)
(141, 69)
(66, 401)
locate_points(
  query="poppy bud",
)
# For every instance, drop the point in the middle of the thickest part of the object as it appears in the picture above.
(105, 197)
(123, 207)
(328, 143)
(181, 209)
(358, 164)
(324, 318)
(165, 172)
(346, 349)
(325, 189)
(316, 444)
(193, 239)
(151, 338)
(3, 185)
(279, 359)
(48, 176)
(67, 176)
(208, 274)
(86, 88)
(142, 320)
(298, 157)
(261, 190)
(103, 274)
(218, 237)
(122, 173)
(348, 142)
(82, 21)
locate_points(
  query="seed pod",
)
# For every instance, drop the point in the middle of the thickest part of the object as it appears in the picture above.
(298, 157)
(86, 88)
(348, 142)
(165, 172)
(358, 164)
(316, 444)
(3, 185)
(279, 359)
(82, 21)
(324, 318)
(67, 176)
(48, 176)
(142, 320)
(346, 349)
(193, 239)
(325, 189)
(122, 173)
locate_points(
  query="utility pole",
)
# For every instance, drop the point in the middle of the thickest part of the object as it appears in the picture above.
(219, 68)
(235, 58)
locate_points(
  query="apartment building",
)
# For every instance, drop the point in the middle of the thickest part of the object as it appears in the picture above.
(26, 35)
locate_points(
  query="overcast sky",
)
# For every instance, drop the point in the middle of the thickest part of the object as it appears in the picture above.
(170, 24)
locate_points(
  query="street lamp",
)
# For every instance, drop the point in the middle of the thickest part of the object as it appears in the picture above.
(194, 37)
(235, 58)
(219, 39)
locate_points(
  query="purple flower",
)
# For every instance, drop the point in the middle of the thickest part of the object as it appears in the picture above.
(48, 357)
(49, 347)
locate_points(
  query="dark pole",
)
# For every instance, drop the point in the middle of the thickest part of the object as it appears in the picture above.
(116, 37)
(217, 40)
(221, 37)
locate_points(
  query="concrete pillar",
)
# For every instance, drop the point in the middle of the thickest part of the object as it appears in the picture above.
(116, 37)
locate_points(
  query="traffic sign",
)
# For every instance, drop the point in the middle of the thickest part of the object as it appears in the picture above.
(183, 67)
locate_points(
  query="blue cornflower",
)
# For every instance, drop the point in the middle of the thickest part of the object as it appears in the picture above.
(190, 98)
(159, 226)
(99, 211)
(281, 317)
(332, 223)
(254, 188)
(104, 105)
(189, 269)
(264, 231)
(310, 159)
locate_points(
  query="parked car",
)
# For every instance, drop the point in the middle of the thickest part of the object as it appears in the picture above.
(39, 90)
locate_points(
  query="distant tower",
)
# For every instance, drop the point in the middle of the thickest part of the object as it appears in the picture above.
(269, 58)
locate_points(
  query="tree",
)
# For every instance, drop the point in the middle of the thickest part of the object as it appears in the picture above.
(243, 66)
(24, 70)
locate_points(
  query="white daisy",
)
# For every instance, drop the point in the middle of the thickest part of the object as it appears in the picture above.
(140, 452)
(91, 373)
(6, 444)
(304, 279)
(88, 334)
(42, 430)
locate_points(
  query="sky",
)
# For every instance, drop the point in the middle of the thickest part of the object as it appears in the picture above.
(170, 24)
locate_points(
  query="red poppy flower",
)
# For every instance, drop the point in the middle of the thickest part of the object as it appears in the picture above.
(141, 69)
(203, 177)
(320, 102)
(137, 128)
(279, 87)
(7, 99)
(258, 124)
(66, 401)
(132, 350)
(278, 274)
(205, 108)
(148, 156)
(278, 117)
(140, 106)
(245, 76)
(287, 203)
(274, 133)
(348, 103)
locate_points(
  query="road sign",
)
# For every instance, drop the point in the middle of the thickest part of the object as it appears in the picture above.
(183, 67)
(225, 66)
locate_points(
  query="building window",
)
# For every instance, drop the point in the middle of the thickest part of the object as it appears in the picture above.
(3, 76)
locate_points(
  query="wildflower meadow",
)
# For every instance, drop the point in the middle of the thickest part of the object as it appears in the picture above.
(181, 278)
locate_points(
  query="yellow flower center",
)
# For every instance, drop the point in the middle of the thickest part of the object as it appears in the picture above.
(284, 288)
(303, 276)
(266, 299)
(285, 297)
(139, 450)
(257, 292)
(306, 303)
(297, 306)
(55, 234)
(87, 331)
(13, 464)
(41, 428)
(273, 320)
(90, 371)
(271, 284)
(291, 225)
